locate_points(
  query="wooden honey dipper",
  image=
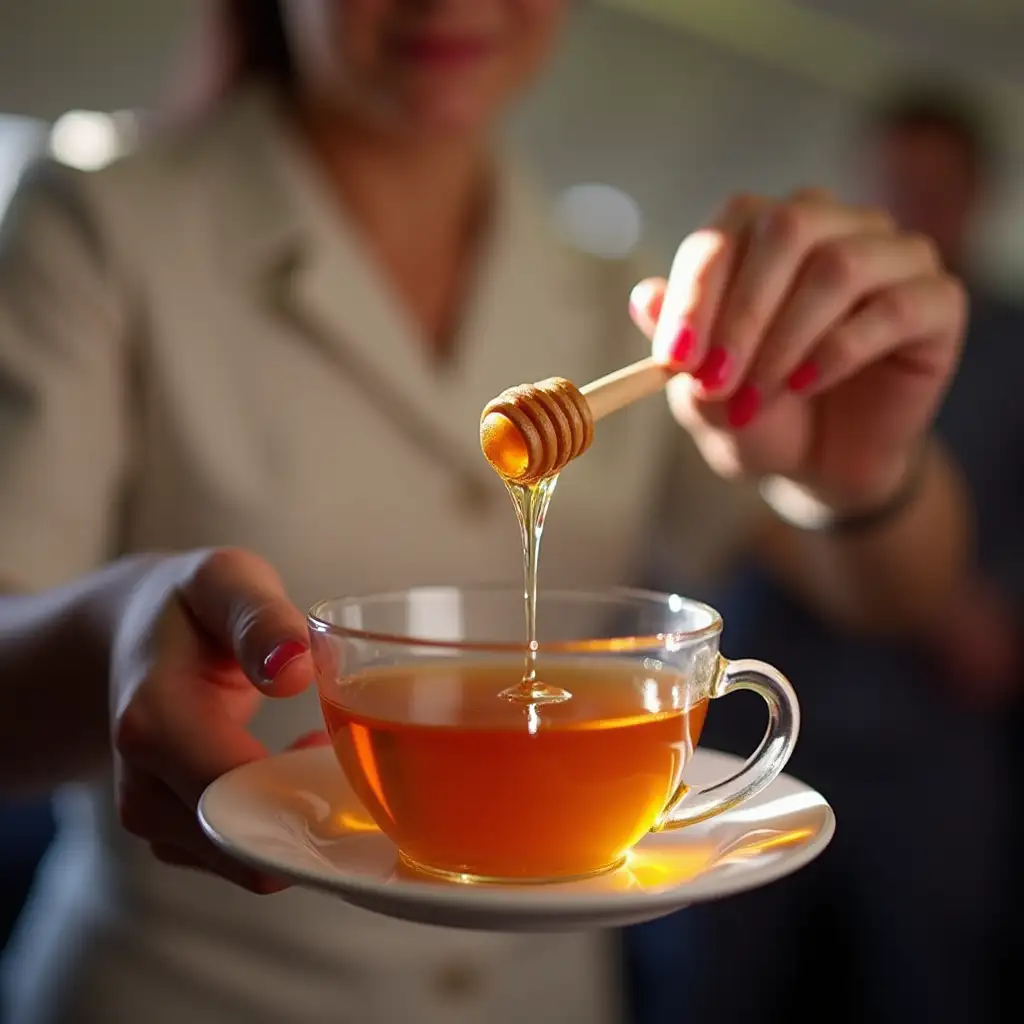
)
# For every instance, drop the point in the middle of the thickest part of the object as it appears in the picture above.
(532, 431)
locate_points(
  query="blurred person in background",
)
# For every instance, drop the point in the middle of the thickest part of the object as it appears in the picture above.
(912, 914)
(934, 163)
(275, 327)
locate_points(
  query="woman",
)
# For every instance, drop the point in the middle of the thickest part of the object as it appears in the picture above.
(277, 330)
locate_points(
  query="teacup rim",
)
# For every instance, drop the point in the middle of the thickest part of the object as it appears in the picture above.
(651, 643)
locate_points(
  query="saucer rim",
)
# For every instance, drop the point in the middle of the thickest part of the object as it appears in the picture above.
(526, 900)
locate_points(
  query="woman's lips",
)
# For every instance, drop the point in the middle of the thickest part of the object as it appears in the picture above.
(441, 51)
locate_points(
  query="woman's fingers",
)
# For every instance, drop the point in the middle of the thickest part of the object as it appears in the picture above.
(181, 730)
(785, 241)
(231, 871)
(152, 811)
(239, 601)
(149, 809)
(216, 863)
(177, 857)
(198, 633)
(832, 282)
(913, 318)
(729, 280)
(184, 715)
(781, 297)
(697, 284)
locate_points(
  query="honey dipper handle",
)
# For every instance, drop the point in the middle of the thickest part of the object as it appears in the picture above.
(623, 387)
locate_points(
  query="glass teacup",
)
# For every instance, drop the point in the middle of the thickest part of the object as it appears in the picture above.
(476, 787)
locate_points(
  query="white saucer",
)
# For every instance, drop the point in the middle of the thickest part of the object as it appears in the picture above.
(294, 816)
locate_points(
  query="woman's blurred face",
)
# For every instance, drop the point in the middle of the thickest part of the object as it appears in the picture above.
(420, 67)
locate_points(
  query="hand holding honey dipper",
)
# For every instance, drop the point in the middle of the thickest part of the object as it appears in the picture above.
(802, 339)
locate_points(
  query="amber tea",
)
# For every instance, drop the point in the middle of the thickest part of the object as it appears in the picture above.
(466, 783)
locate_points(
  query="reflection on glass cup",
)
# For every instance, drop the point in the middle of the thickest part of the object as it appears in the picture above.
(473, 786)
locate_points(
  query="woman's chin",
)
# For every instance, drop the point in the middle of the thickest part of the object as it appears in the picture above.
(448, 116)
(424, 116)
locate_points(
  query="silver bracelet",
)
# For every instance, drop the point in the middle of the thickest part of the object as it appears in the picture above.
(794, 505)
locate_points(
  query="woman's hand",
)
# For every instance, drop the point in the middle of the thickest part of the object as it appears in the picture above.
(202, 638)
(814, 341)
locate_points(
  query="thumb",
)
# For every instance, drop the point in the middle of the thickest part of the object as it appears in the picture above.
(239, 601)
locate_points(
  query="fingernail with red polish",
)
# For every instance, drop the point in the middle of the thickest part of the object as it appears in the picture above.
(803, 377)
(281, 657)
(682, 345)
(743, 406)
(714, 371)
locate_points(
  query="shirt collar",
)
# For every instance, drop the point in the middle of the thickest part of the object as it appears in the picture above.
(272, 206)
(292, 243)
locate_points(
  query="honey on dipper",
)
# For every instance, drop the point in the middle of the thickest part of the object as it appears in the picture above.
(533, 431)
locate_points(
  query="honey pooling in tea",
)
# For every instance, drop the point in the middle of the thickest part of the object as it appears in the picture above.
(465, 783)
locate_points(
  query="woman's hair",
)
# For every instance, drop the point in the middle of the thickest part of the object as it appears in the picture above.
(236, 42)
(255, 30)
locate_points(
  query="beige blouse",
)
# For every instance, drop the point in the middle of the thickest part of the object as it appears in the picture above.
(196, 349)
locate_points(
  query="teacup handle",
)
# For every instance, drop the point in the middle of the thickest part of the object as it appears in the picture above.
(766, 762)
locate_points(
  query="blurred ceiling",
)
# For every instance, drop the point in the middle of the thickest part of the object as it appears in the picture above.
(109, 53)
(985, 36)
(847, 44)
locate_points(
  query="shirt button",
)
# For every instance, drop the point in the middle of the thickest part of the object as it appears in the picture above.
(457, 982)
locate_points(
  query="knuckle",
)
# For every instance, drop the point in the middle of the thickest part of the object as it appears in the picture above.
(699, 258)
(789, 225)
(742, 326)
(834, 265)
(924, 249)
(879, 218)
(842, 349)
(706, 256)
(219, 564)
(739, 207)
(898, 308)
